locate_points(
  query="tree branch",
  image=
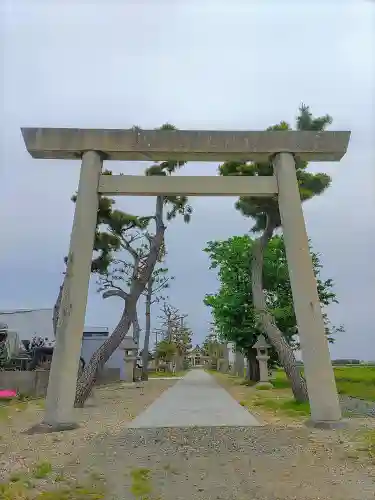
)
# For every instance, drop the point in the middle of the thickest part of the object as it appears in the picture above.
(127, 246)
(115, 293)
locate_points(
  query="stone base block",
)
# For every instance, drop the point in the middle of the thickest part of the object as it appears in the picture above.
(44, 428)
(327, 424)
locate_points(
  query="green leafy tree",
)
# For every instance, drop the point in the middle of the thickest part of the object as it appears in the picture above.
(165, 350)
(212, 347)
(266, 216)
(232, 306)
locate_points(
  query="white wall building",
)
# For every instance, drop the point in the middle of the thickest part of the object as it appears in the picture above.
(38, 322)
(29, 322)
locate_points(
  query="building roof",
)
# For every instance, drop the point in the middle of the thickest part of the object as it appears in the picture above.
(17, 311)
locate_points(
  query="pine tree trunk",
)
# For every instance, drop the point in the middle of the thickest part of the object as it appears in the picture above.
(100, 357)
(275, 336)
(136, 337)
(105, 351)
(146, 344)
(252, 373)
(136, 329)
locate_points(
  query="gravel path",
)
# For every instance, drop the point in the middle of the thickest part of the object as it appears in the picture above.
(227, 463)
(196, 400)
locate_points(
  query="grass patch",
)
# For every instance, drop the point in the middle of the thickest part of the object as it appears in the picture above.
(21, 487)
(14, 491)
(18, 404)
(228, 378)
(7, 407)
(368, 443)
(211, 371)
(141, 482)
(76, 493)
(280, 380)
(289, 407)
(21, 491)
(42, 470)
(354, 381)
(248, 383)
(264, 387)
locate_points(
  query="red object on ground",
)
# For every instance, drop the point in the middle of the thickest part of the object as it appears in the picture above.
(7, 394)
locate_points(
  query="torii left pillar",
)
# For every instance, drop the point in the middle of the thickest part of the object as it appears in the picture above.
(64, 368)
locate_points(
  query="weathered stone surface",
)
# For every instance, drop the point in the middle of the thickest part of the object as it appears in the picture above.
(192, 145)
(137, 185)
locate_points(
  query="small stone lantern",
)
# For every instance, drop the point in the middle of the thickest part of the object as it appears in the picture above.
(130, 349)
(262, 356)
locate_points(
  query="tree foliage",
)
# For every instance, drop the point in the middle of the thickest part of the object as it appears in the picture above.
(232, 307)
(165, 350)
(261, 209)
(213, 348)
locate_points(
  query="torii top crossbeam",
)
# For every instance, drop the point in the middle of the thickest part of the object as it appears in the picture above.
(184, 145)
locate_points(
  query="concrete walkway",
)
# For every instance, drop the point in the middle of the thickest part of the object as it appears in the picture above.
(196, 400)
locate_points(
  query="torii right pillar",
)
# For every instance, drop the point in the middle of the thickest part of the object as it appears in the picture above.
(321, 385)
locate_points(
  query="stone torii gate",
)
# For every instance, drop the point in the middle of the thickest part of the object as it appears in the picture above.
(95, 145)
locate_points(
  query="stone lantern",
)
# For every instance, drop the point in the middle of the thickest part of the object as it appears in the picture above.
(130, 349)
(262, 347)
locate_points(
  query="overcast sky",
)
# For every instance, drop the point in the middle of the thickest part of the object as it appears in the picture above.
(220, 64)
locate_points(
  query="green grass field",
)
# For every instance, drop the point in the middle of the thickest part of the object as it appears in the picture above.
(355, 381)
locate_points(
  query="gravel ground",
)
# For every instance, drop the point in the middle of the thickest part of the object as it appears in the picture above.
(357, 407)
(281, 461)
(112, 407)
(227, 463)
